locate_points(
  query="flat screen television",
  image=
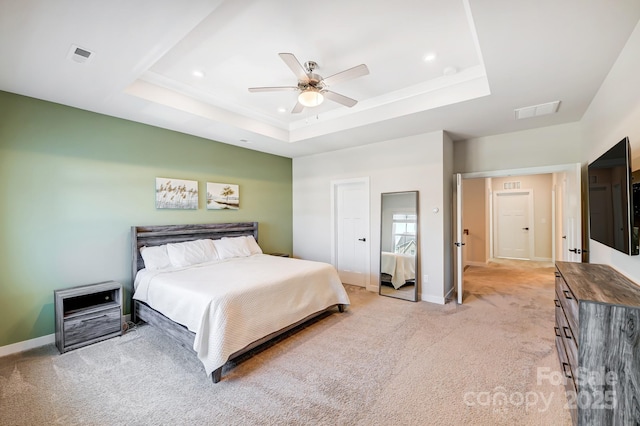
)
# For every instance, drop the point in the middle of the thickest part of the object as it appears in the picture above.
(611, 200)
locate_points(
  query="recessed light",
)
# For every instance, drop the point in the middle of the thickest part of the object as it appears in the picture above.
(282, 110)
(244, 140)
(198, 73)
(430, 57)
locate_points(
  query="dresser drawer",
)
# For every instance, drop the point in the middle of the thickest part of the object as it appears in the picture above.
(568, 301)
(570, 388)
(565, 367)
(83, 328)
(567, 334)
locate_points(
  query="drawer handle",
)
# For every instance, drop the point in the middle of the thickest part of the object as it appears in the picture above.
(564, 370)
(557, 302)
(557, 330)
(94, 318)
(567, 294)
(566, 332)
(557, 274)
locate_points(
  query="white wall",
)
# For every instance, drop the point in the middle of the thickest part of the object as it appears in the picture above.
(545, 146)
(613, 114)
(414, 163)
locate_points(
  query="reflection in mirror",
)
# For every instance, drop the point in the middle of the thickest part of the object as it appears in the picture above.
(399, 245)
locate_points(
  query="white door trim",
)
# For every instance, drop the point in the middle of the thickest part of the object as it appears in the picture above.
(459, 246)
(553, 223)
(334, 240)
(490, 221)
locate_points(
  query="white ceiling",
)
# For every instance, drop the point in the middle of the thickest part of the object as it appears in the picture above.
(506, 54)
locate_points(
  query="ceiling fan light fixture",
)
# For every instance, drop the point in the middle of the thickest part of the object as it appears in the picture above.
(310, 97)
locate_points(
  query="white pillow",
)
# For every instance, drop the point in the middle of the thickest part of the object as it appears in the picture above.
(254, 248)
(155, 257)
(232, 247)
(191, 253)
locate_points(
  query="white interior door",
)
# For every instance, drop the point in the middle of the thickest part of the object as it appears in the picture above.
(351, 219)
(458, 241)
(572, 215)
(560, 237)
(513, 228)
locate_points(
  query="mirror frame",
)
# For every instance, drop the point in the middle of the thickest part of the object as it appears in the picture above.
(414, 297)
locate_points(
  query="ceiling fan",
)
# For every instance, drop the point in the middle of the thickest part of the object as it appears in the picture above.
(313, 87)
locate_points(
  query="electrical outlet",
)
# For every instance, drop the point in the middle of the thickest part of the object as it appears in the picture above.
(425, 278)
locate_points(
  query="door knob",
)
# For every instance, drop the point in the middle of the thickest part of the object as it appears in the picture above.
(362, 239)
(526, 229)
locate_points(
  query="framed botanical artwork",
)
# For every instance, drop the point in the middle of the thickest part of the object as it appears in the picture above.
(223, 196)
(176, 194)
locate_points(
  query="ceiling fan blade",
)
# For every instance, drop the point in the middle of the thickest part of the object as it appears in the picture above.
(341, 99)
(295, 66)
(357, 71)
(297, 109)
(271, 89)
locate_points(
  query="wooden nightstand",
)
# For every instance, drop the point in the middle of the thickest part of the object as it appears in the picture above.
(279, 254)
(87, 314)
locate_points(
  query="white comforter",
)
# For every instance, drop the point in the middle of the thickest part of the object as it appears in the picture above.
(401, 267)
(231, 303)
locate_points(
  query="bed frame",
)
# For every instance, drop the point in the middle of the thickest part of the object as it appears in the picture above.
(158, 235)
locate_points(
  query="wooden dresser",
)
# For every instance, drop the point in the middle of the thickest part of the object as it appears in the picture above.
(598, 342)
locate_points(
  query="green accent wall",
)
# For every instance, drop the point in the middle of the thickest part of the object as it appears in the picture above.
(73, 182)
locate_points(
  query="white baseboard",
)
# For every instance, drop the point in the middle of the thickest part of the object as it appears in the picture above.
(433, 299)
(26, 345)
(437, 299)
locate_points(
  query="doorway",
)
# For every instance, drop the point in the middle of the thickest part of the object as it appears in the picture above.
(564, 220)
(350, 245)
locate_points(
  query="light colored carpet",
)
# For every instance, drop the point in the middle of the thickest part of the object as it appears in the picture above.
(383, 362)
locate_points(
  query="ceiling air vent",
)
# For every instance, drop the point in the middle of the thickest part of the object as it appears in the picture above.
(79, 54)
(537, 110)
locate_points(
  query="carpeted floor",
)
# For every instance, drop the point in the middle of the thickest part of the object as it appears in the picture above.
(383, 362)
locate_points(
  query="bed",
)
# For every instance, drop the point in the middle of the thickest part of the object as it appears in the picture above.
(212, 289)
(397, 268)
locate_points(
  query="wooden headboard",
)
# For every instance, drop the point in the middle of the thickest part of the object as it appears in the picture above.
(163, 234)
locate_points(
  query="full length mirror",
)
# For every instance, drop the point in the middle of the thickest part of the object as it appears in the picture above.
(399, 245)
